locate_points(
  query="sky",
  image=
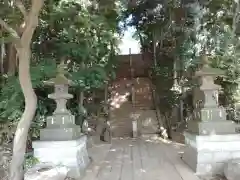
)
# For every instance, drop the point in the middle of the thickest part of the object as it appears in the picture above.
(129, 42)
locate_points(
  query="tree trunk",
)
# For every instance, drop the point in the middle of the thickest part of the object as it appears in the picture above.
(81, 98)
(2, 56)
(154, 51)
(81, 94)
(2, 60)
(19, 146)
(11, 59)
(23, 47)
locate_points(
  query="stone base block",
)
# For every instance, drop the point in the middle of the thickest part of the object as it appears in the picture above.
(60, 134)
(212, 127)
(210, 114)
(72, 154)
(60, 120)
(207, 155)
(201, 162)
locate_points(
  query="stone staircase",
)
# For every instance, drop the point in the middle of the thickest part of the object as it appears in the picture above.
(121, 122)
(143, 94)
(142, 110)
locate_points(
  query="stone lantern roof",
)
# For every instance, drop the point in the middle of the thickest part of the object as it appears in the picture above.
(206, 70)
(60, 78)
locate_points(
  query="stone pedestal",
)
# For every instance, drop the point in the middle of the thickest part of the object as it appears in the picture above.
(62, 142)
(208, 154)
(72, 154)
(212, 128)
(210, 140)
(60, 127)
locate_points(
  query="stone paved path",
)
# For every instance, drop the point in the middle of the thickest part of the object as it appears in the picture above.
(145, 159)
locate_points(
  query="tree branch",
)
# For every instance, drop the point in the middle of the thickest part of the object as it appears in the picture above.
(9, 29)
(236, 17)
(21, 7)
(32, 21)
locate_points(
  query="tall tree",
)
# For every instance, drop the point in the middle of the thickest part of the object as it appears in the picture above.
(22, 41)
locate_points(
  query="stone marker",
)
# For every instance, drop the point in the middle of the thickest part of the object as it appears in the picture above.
(134, 128)
(62, 142)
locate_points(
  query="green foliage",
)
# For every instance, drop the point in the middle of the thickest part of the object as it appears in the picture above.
(168, 97)
(30, 162)
(83, 35)
(80, 35)
(12, 100)
(93, 77)
(218, 36)
(182, 31)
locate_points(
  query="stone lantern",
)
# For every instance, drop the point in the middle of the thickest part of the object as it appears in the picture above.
(209, 118)
(210, 139)
(61, 125)
(62, 142)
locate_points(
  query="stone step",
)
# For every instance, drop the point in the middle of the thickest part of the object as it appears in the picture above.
(121, 119)
(147, 124)
(147, 102)
(143, 94)
(141, 98)
(143, 101)
(122, 126)
(144, 105)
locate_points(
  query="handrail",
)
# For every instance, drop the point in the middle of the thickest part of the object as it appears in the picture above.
(157, 110)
